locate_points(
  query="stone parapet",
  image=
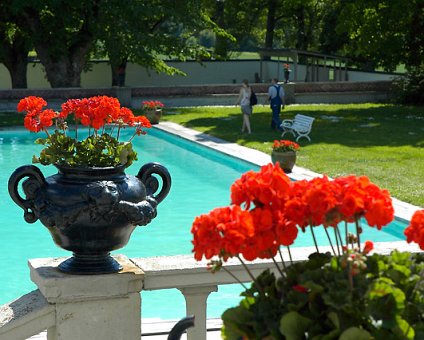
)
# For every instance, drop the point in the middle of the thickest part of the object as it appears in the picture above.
(329, 87)
(198, 95)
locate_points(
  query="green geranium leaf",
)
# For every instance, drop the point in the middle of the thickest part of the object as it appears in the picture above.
(398, 273)
(354, 333)
(41, 141)
(334, 318)
(294, 326)
(247, 302)
(236, 321)
(400, 257)
(403, 329)
(314, 288)
(385, 299)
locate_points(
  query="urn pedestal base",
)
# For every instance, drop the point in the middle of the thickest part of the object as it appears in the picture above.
(90, 264)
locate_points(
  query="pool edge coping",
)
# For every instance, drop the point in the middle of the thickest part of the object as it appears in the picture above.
(403, 210)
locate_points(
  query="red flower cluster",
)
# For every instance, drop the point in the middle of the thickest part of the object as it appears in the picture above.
(321, 201)
(152, 104)
(415, 231)
(36, 118)
(95, 113)
(268, 209)
(285, 145)
(233, 222)
(92, 112)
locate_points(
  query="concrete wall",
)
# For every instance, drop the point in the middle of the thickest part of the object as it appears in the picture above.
(209, 72)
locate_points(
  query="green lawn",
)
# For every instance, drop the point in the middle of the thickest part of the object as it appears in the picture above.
(383, 142)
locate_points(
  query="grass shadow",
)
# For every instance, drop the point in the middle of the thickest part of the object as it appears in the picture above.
(353, 127)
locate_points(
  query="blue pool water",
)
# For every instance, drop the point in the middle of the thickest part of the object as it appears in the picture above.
(201, 179)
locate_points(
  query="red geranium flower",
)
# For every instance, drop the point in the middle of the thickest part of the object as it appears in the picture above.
(95, 113)
(300, 288)
(152, 104)
(285, 145)
(415, 231)
(368, 247)
(276, 207)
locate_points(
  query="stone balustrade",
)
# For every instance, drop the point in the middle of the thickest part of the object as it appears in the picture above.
(102, 307)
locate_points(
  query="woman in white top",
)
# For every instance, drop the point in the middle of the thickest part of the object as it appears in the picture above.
(246, 108)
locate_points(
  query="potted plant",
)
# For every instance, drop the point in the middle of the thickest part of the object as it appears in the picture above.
(284, 152)
(345, 294)
(152, 109)
(90, 206)
(286, 72)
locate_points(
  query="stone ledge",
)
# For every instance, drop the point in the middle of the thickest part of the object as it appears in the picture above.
(26, 316)
(195, 90)
(344, 86)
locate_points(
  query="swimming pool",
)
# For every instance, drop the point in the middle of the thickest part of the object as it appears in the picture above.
(201, 180)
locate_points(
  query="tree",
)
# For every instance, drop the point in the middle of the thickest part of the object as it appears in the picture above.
(293, 24)
(330, 41)
(242, 19)
(63, 33)
(14, 45)
(148, 32)
(271, 21)
(383, 32)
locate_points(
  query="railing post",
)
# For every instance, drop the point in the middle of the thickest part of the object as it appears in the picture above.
(196, 303)
(94, 307)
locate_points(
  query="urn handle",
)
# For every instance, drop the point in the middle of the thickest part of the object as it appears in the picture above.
(151, 182)
(34, 181)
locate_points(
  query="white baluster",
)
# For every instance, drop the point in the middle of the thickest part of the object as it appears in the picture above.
(196, 303)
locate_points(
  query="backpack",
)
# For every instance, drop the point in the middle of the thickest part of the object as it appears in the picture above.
(253, 99)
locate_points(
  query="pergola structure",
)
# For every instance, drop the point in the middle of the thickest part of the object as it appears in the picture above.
(313, 61)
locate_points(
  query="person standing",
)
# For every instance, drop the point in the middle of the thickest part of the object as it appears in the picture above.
(276, 99)
(246, 109)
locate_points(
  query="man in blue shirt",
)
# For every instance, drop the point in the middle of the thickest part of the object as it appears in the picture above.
(276, 99)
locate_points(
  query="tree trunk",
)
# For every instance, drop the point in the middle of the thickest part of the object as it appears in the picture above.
(118, 72)
(16, 63)
(301, 40)
(414, 40)
(65, 72)
(18, 73)
(221, 43)
(15, 58)
(63, 68)
(270, 25)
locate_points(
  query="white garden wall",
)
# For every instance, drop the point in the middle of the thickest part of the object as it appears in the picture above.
(209, 72)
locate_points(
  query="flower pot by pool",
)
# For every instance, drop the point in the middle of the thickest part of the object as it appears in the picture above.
(287, 159)
(152, 109)
(284, 152)
(153, 115)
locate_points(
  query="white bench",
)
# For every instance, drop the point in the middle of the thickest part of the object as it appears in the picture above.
(300, 126)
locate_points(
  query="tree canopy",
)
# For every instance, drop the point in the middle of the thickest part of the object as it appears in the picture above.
(66, 34)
